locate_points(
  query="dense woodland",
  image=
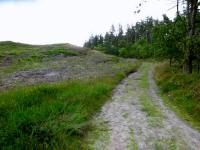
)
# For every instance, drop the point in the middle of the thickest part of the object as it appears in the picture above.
(177, 40)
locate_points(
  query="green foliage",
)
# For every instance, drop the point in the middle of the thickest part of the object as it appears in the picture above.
(123, 52)
(166, 39)
(142, 49)
(136, 42)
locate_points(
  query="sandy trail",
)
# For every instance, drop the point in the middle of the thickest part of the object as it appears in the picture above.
(136, 118)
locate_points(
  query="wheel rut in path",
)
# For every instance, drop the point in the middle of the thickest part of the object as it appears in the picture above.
(136, 118)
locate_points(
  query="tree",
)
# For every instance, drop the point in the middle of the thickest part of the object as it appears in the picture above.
(120, 38)
(176, 40)
(130, 35)
(192, 9)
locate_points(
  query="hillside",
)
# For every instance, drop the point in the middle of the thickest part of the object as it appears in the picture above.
(49, 94)
(23, 64)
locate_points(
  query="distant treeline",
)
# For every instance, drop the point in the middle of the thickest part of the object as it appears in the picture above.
(150, 38)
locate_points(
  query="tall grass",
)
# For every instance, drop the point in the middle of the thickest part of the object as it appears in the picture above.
(47, 116)
(52, 116)
(180, 91)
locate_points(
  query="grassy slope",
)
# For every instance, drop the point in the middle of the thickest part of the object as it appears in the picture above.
(181, 92)
(22, 64)
(56, 115)
(16, 56)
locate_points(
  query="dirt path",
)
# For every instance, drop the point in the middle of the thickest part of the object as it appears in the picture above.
(136, 118)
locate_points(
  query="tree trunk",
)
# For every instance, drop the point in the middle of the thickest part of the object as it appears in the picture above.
(192, 8)
(177, 7)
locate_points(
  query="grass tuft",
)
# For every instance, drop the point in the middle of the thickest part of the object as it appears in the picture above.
(132, 144)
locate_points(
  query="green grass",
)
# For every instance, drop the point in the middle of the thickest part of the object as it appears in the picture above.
(148, 106)
(132, 145)
(154, 114)
(51, 115)
(181, 92)
(55, 115)
(169, 144)
(56, 52)
(125, 115)
(98, 137)
(14, 56)
(144, 83)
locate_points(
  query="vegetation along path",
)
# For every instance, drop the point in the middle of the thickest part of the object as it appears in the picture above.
(136, 118)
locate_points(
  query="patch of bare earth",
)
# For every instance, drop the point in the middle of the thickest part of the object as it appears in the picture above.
(91, 65)
(130, 126)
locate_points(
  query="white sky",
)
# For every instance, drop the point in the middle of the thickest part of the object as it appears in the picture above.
(71, 21)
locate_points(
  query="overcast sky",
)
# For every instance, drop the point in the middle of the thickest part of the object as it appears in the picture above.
(71, 21)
